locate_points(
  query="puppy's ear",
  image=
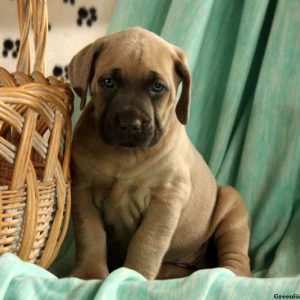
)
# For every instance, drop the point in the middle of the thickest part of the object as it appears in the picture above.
(183, 104)
(80, 70)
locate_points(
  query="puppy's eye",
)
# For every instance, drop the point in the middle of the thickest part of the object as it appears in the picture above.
(108, 83)
(157, 88)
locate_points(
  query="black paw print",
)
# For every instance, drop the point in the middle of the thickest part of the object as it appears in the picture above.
(60, 71)
(89, 15)
(72, 2)
(9, 45)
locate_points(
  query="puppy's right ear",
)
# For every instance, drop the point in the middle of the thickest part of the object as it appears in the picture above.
(80, 70)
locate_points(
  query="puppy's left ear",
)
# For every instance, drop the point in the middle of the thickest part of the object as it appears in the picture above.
(80, 70)
(183, 104)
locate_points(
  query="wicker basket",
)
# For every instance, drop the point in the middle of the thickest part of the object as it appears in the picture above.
(35, 138)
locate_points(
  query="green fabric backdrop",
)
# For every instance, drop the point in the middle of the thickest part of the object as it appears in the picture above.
(245, 61)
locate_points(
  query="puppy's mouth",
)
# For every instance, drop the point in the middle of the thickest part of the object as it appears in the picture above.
(115, 137)
(128, 145)
(129, 142)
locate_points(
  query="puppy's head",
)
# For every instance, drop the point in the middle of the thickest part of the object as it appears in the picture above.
(133, 76)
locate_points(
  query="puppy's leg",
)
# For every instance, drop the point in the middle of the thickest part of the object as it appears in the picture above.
(90, 236)
(232, 231)
(152, 239)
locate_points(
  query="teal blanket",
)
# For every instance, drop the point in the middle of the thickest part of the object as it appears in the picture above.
(245, 119)
(21, 281)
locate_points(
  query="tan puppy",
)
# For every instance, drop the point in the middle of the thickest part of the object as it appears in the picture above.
(143, 197)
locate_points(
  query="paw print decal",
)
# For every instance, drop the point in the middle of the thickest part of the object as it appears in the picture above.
(60, 71)
(72, 2)
(88, 15)
(11, 46)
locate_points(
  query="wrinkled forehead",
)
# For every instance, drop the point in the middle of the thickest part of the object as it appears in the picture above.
(136, 56)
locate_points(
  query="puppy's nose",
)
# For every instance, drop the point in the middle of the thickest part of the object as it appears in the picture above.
(129, 125)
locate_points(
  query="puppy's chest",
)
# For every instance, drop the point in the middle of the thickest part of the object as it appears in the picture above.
(122, 206)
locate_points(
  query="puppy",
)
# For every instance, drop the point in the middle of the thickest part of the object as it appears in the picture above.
(143, 197)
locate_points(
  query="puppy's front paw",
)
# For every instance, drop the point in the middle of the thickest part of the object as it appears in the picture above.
(89, 273)
(170, 271)
(243, 271)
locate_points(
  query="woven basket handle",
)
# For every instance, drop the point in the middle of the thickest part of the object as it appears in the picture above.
(32, 13)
